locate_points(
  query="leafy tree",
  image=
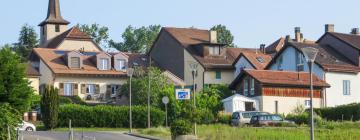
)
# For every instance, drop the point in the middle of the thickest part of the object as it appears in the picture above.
(223, 90)
(224, 35)
(209, 100)
(9, 117)
(28, 39)
(50, 107)
(159, 84)
(137, 40)
(100, 34)
(14, 87)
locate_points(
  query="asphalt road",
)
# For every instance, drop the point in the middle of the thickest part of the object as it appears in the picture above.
(47, 135)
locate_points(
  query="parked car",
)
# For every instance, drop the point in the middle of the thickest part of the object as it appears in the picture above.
(26, 126)
(269, 120)
(243, 117)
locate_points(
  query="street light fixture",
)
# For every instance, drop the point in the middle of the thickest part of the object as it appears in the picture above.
(130, 73)
(193, 68)
(310, 55)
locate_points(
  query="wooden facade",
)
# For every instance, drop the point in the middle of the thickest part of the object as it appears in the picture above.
(290, 92)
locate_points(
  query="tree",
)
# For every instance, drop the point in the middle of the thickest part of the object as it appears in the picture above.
(224, 35)
(100, 34)
(9, 117)
(28, 39)
(14, 87)
(209, 100)
(137, 40)
(50, 107)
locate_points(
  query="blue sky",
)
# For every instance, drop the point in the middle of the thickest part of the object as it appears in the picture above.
(252, 22)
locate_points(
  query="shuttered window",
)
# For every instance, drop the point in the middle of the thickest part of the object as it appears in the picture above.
(68, 89)
(346, 87)
(75, 62)
(90, 89)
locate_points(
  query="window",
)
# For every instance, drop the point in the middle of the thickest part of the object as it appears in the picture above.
(90, 89)
(214, 50)
(57, 28)
(252, 88)
(276, 118)
(218, 75)
(246, 87)
(114, 89)
(346, 87)
(74, 62)
(299, 61)
(260, 59)
(121, 64)
(68, 89)
(104, 64)
(279, 65)
(307, 103)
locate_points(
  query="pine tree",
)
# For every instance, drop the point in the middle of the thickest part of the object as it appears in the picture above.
(27, 41)
(50, 107)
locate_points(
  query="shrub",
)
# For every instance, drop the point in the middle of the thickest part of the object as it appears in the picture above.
(181, 127)
(206, 117)
(65, 100)
(350, 112)
(303, 118)
(224, 118)
(50, 107)
(108, 116)
(9, 117)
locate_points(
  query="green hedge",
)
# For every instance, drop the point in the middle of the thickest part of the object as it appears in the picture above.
(350, 112)
(107, 116)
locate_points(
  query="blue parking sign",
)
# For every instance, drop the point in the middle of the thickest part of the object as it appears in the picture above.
(182, 94)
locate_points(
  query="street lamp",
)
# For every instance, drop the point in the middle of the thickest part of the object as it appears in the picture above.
(130, 73)
(193, 68)
(310, 55)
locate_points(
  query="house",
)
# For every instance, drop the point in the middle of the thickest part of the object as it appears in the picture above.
(335, 64)
(276, 91)
(176, 48)
(34, 78)
(251, 60)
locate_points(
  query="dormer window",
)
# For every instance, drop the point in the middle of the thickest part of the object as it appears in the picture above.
(121, 64)
(104, 64)
(74, 62)
(214, 50)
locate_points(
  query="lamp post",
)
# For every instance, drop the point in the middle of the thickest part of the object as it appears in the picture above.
(310, 55)
(193, 68)
(130, 73)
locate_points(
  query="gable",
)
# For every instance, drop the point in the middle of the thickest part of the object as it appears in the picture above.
(85, 45)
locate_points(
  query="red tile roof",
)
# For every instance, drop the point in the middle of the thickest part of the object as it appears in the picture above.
(257, 59)
(285, 78)
(275, 46)
(31, 71)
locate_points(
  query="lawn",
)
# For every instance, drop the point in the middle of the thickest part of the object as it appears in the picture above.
(331, 131)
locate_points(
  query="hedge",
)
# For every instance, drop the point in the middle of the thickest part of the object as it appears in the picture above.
(350, 112)
(108, 116)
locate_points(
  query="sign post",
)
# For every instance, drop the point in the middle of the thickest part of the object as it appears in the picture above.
(165, 100)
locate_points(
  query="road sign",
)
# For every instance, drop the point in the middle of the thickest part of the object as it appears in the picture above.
(182, 94)
(165, 100)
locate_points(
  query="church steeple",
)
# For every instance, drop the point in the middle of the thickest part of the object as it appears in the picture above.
(54, 14)
(54, 24)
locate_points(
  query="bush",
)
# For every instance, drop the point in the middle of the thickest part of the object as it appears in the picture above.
(65, 100)
(71, 100)
(50, 107)
(206, 117)
(9, 117)
(224, 118)
(181, 127)
(350, 112)
(303, 118)
(108, 116)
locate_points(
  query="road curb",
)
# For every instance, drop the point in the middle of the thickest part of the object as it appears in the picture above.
(143, 136)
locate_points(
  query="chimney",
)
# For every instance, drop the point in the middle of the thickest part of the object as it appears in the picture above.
(297, 34)
(262, 48)
(288, 39)
(355, 31)
(329, 28)
(213, 37)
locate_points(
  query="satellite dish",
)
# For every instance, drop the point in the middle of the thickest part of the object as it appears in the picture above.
(165, 100)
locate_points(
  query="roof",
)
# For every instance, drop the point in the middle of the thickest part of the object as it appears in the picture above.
(257, 59)
(350, 39)
(54, 14)
(54, 60)
(237, 96)
(275, 46)
(31, 71)
(282, 78)
(73, 33)
(327, 58)
(188, 37)
(137, 59)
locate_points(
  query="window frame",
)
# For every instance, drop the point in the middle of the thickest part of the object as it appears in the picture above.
(57, 28)
(218, 75)
(68, 89)
(78, 61)
(252, 86)
(123, 67)
(102, 64)
(88, 89)
(246, 87)
(346, 87)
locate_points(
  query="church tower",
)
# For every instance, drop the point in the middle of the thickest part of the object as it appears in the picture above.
(54, 24)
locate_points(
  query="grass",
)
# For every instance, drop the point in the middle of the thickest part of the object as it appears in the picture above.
(326, 131)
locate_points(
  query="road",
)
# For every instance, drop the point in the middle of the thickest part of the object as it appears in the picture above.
(48, 135)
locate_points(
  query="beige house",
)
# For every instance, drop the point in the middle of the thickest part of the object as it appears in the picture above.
(33, 76)
(176, 48)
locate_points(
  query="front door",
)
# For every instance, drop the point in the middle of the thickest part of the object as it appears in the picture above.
(249, 106)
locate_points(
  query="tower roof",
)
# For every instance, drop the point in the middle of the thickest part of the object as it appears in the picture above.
(54, 14)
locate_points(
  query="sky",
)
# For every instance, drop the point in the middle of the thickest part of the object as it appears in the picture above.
(252, 22)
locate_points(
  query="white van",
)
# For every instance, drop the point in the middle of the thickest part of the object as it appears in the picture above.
(244, 117)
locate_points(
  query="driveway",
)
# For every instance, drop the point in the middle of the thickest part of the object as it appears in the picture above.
(48, 135)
